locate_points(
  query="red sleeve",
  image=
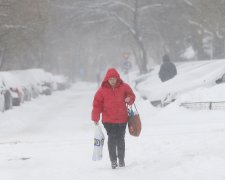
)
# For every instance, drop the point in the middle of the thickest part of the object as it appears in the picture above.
(130, 93)
(97, 106)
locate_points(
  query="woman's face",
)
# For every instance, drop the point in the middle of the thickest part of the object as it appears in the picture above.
(112, 81)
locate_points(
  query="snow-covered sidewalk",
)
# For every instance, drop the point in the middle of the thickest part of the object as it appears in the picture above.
(51, 138)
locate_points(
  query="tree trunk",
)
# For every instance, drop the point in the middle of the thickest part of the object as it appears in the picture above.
(143, 57)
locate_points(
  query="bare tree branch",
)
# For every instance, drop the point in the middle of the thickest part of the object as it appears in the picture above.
(149, 7)
(119, 3)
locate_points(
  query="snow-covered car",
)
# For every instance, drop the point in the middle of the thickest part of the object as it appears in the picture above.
(12, 83)
(26, 84)
(2, 102)
(46, 88)
(6, 99)
(41, 81)
(191, 75)
(35, 91)
(2, 97)
(27, 93)
(221, 80)
(60, 82)
(17, 96)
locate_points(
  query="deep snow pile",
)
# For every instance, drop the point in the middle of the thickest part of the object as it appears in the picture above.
(52, 138)
(205, 94)
(190, 76)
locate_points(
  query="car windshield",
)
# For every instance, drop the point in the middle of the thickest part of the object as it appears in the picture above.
(223, 78)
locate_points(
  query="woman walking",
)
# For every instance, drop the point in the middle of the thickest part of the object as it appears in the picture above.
(111, 101)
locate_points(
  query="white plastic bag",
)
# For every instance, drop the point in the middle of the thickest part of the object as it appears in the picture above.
(98, 143)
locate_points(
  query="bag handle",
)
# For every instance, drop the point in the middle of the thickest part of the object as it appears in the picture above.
(134, 106)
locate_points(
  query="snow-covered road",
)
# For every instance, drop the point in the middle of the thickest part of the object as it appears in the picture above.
(51, 138)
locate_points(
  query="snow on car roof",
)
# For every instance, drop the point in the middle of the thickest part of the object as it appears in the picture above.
(191, 75)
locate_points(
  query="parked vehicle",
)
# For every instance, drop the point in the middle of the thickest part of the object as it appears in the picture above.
(17, 98)
(46, 88)
(27, 93)
(221, 80)
(19, 86)
(8, 100)
(61, 83)
(2, 103)
(7, 96)
(2, 98)
(14, 85)
(35, 92)
(190, 76)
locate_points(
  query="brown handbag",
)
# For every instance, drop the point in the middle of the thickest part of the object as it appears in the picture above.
(134, 121)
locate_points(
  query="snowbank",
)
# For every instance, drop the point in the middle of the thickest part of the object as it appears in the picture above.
(191, 75)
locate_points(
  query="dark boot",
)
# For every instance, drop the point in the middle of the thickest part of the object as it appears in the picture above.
(121, 163)
(114, 164)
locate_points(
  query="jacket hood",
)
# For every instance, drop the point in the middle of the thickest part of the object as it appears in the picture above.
(111, 73)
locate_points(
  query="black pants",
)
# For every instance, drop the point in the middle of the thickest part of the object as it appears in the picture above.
(116, 141)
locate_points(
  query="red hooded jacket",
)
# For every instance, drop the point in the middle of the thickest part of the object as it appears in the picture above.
(111, 101)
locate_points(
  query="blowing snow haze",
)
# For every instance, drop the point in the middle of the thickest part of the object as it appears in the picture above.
(81, 39)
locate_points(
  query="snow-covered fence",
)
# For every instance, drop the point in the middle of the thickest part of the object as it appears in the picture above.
(220, 105)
